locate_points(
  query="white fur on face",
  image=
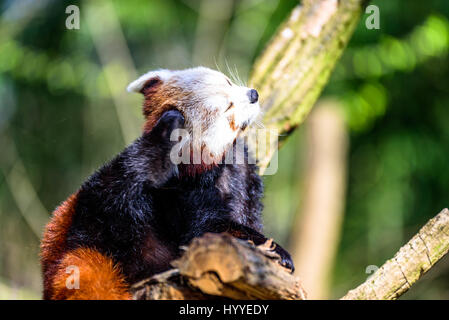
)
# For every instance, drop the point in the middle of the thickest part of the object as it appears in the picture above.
(210, 102)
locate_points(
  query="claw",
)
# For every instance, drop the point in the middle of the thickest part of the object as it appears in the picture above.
(267, 248)
(267, 245)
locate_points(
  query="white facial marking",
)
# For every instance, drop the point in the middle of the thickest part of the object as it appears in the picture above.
(210, 102)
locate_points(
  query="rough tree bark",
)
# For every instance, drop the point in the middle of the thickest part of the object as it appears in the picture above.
(220, 266)
(411, 262)
(297, 63)
(290, 75)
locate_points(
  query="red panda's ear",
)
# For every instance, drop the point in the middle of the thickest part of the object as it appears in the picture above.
(150, 85)
(148, 81)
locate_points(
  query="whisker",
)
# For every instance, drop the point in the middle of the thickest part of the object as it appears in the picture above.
(216, 64)
(259, 124)
(232, 75)
(241, 83)
(227, 67)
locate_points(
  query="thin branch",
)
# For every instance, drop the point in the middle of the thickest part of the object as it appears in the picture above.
(409, 264)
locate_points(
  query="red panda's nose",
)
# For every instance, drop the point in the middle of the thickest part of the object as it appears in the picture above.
(253, 96)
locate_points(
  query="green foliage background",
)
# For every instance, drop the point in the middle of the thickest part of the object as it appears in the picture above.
(60, 120)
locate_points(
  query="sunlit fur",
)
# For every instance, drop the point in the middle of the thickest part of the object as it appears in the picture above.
(211, 104)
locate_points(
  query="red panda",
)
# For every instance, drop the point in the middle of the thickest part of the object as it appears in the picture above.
(128, 220)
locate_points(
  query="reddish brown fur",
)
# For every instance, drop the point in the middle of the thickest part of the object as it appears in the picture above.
(231, 120)
(193, 168)
(159, 98)
(158, 254)
(99, 278)
(53, 244)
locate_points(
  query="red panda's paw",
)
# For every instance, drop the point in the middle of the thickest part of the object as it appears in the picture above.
(163, 148)
(285, 259)
(169, 121)
(274, 251)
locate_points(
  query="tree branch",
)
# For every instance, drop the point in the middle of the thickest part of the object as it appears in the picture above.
(219, 265)
(297, 63)
(411, 262)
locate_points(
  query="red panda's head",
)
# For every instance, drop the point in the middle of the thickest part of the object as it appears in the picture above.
(210, 102)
